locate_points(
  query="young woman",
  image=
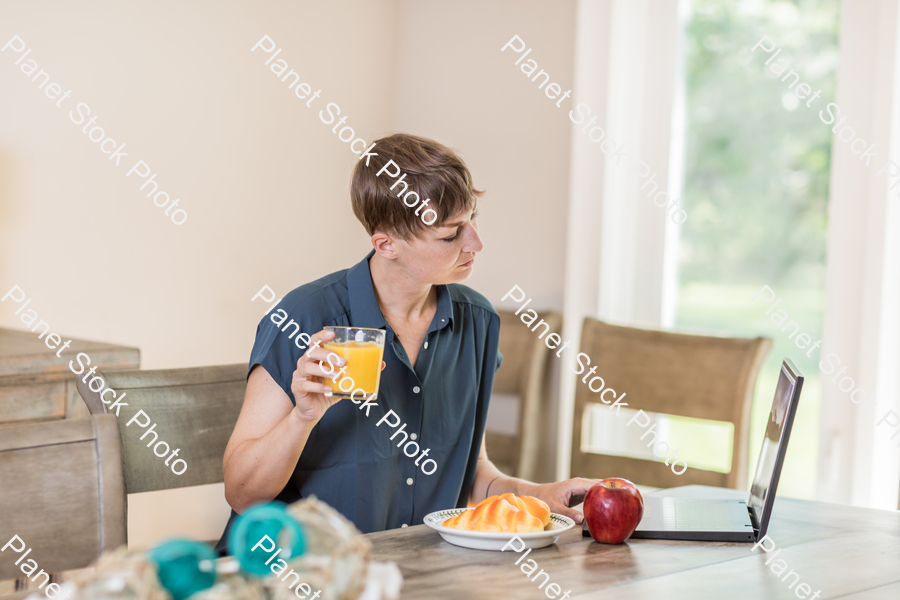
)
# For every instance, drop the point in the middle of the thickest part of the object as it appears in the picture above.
(441, 353)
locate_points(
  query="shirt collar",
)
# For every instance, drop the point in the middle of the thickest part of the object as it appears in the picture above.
(443, 316)
(364, 305)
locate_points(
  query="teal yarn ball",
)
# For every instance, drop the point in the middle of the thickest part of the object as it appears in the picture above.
(184, 567)
(259, 532)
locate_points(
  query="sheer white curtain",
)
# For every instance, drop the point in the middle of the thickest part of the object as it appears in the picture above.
(626, 56)
(858, 462)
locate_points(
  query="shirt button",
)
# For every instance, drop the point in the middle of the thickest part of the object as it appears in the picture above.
(409, 481)
(426, 345)
(413, 436)
(416, 390)
(404, 525)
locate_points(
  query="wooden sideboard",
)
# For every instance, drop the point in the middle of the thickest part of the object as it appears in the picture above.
(36, 385)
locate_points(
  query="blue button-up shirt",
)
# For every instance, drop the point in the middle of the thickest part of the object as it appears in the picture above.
(350, 463)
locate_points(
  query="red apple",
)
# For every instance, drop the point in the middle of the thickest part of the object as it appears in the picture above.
(612, 509)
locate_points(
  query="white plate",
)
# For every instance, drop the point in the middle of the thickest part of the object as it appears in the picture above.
(481, 540)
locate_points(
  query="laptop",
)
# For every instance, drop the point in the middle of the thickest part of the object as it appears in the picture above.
(668, 518)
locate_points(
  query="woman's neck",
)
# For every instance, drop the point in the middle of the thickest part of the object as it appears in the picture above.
(400, 295)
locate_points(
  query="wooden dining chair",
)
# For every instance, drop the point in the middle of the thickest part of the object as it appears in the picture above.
(525, 373)
(193, 410)
(62, 494)
(695, 376)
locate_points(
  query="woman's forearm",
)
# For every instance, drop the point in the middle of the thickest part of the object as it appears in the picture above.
(489, 476)
(259, 469)
(513, 485)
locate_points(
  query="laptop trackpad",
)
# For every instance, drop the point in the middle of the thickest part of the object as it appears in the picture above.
(690, 514)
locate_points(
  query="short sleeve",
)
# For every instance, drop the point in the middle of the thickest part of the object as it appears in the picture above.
(280, 342)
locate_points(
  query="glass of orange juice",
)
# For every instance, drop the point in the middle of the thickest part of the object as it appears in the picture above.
(363, 349)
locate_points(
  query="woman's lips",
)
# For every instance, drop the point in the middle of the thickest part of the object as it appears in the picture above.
(468, 264)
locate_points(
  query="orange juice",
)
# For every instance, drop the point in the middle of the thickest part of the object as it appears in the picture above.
(363, 366)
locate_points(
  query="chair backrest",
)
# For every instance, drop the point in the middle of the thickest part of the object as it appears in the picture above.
(194, 410)
(525, 373)
(695, 376)
(62, 493)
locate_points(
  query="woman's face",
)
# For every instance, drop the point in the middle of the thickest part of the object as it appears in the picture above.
(444, 254)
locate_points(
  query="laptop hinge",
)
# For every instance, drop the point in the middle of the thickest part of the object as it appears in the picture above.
(753, 521)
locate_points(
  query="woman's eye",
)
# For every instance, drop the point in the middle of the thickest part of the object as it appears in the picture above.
(450, 239)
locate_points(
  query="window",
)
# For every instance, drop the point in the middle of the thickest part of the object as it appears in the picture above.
(757, 164)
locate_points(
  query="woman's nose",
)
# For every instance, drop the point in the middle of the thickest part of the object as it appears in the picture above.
(474, 243)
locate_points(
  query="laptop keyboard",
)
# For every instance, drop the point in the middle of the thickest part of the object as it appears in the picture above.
(686, 514)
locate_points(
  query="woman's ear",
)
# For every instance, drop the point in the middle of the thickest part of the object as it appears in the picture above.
(384, 245)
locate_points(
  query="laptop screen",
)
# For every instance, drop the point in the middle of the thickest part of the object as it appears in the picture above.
(774, 444)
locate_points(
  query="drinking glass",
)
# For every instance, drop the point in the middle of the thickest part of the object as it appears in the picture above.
(363, 349)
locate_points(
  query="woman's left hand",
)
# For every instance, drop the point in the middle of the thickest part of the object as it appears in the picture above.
(563, 494)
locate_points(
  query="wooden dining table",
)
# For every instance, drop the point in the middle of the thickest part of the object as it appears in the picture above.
(842, 551)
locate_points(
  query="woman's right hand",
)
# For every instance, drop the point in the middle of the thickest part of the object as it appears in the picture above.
(308, 383)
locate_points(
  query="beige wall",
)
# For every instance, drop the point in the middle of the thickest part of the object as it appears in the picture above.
(455, 85)
(264, 181)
